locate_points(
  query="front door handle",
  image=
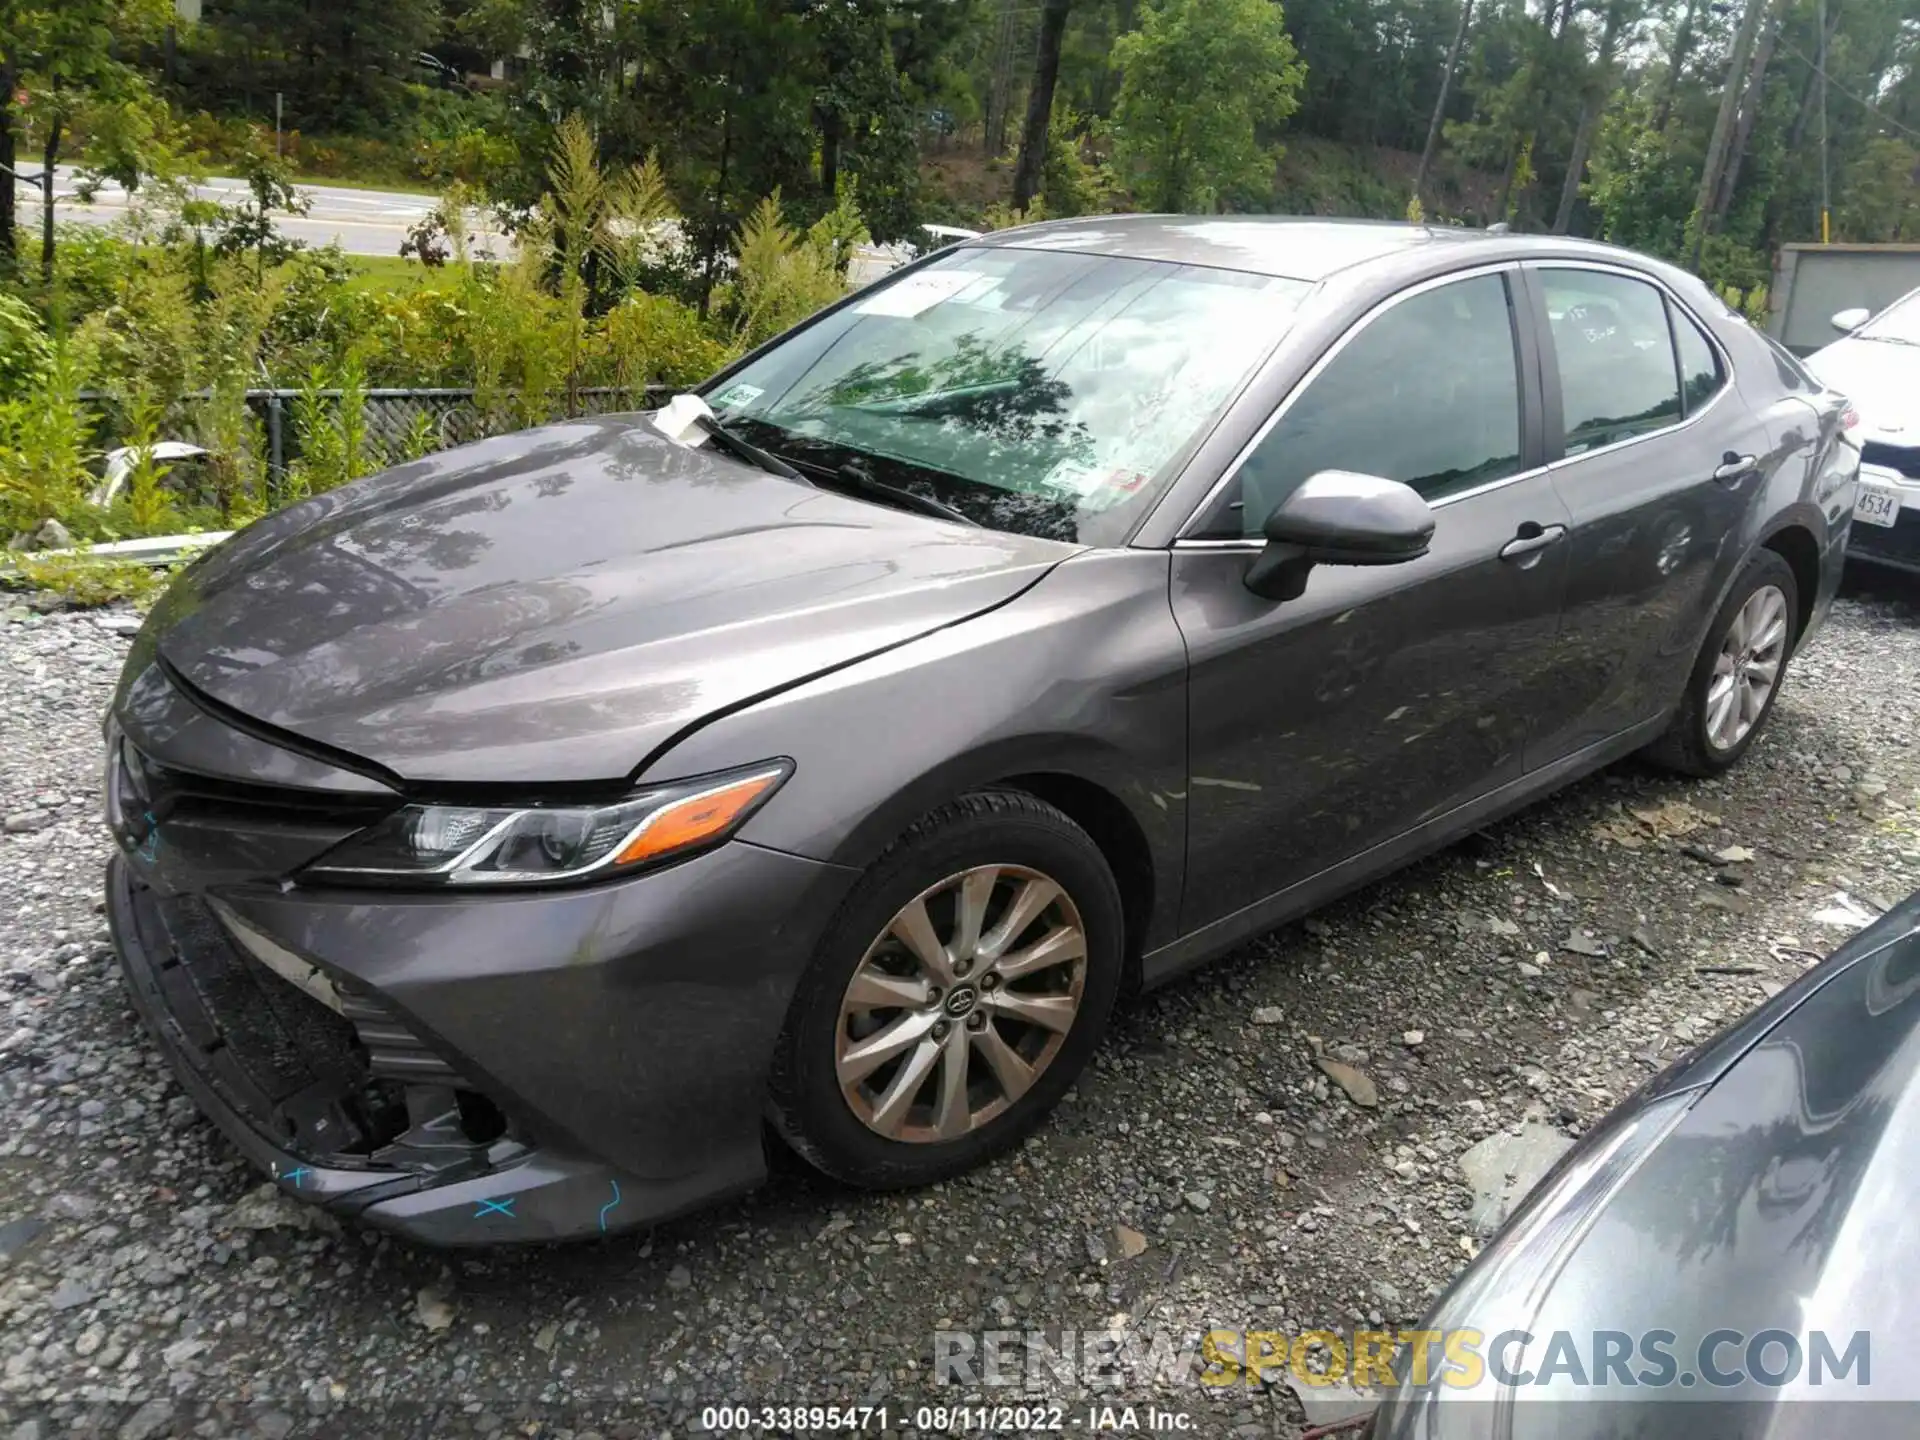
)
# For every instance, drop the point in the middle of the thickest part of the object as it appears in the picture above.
(1733, 468)
(1531, 540)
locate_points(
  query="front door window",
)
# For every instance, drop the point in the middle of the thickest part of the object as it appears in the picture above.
(1426, 392)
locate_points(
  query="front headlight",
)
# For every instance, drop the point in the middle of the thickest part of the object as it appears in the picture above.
(530, 844)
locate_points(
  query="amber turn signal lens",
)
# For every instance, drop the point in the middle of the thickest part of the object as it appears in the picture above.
(696, 819)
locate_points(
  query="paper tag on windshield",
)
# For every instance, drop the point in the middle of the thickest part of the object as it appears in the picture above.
(678, 420)
(914, 293)
(1074, 477)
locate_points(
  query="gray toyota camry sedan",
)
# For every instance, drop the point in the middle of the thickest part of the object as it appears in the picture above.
(514, 844)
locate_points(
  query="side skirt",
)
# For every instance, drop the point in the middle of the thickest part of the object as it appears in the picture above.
(1310, 894)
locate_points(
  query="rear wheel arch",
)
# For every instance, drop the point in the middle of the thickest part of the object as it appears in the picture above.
(1796, 544)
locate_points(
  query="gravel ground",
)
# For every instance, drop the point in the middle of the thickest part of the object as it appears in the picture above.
(1210, 1171)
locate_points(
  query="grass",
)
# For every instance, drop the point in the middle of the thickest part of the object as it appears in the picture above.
(399, 272)
(390, 186)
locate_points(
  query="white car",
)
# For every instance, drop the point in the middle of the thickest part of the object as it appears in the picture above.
(185, 472)
(870, 262)
(1877, 365)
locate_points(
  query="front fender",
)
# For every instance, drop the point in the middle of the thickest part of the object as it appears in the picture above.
(1083, 676)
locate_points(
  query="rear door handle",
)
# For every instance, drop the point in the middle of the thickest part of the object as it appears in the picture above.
(1531, 540)
(1733, 468)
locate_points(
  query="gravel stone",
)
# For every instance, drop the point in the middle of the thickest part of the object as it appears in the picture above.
(804, 1293)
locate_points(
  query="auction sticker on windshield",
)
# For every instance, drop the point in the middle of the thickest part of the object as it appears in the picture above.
(911, 294)
(1876, 504)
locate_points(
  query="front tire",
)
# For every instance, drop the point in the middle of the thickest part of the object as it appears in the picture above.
(961, 989)
(1738, 673)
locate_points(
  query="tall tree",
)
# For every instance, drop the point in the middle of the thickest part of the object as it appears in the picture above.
(1440, 103)
(59, 59)
(1677, 53)
(1201, 80)
(1594, 100)
(1723, 123)
(1046, 73)
(1751, 99)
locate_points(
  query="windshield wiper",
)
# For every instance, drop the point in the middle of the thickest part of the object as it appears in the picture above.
(746, 450)
(856, 477)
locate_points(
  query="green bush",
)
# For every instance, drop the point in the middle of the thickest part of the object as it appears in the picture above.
(24, 351)
(46, 439)
(657, 340)
(166, 339)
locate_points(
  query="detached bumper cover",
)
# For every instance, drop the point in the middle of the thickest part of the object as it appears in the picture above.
(482, 1069)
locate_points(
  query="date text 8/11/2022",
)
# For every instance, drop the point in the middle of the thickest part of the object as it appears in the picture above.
(943, 1419)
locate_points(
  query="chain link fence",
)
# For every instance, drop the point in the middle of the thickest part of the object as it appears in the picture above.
(397, 421)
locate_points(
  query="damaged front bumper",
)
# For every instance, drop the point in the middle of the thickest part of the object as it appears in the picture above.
(348, 1110)
(465, 1068)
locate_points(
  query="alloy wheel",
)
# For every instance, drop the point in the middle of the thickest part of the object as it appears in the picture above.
(961, 1003)
(1747, 668)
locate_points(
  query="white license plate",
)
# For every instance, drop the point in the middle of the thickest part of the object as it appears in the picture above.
(1876, 504)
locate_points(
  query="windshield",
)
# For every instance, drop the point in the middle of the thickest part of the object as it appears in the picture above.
(1899, 321)
(1035, 391)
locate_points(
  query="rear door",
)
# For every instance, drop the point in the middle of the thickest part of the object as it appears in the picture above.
(1382, 697)
(1656, 457)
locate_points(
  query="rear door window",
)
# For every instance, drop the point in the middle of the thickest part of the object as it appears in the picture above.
(1618, 376)
(1701, 375)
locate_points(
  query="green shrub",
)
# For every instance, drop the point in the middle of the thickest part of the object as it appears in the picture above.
(150, 508)
(782, 276)
(657, 340)
(46, 439)
(24, 350)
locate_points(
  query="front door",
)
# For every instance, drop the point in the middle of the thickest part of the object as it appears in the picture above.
(1382, 697)
(1659, 456)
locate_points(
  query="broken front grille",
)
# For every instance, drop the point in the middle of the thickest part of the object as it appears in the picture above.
(339, 1081)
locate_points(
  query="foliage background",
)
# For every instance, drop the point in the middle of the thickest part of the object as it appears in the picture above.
(683, 181)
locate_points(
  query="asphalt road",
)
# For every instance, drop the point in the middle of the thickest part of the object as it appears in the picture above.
(360, 222)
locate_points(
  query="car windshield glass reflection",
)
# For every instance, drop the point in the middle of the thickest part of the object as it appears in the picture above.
(1899, 322)
(1039, 392)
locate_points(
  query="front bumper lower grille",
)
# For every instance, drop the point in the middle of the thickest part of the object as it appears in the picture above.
(347, 1088)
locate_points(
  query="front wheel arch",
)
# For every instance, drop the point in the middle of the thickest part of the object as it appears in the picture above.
(1140, 834)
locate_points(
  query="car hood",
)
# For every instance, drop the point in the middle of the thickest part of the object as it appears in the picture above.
(1784, 1199)
(1881, 378)
(1781, 1199)
(555, 606)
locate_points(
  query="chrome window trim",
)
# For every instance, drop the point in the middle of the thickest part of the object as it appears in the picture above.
(1713, 343)
(1183, 541)
(1232, 471)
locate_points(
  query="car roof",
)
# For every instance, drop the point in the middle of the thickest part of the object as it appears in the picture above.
(1294, 247)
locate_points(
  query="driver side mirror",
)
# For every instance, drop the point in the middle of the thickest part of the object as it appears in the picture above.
(1339, 517)
(1847, 321)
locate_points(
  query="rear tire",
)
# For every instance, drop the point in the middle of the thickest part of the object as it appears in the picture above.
(935, 953)
(1729, 696)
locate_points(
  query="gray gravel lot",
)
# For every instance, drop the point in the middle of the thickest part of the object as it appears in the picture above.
(1538, 972)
